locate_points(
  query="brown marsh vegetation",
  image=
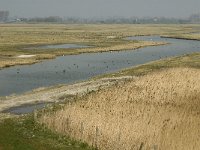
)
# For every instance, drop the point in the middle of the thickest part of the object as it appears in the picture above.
(192, 36)
(158, 110)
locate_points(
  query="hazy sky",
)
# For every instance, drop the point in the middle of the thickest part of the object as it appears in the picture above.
(100, 8)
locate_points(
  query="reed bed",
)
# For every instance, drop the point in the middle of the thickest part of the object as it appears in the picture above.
(160, 110)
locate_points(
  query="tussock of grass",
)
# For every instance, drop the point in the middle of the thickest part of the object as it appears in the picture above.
(159, 110)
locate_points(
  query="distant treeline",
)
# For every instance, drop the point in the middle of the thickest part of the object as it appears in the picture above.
(194, 18)
(45, 19)
(115, 20)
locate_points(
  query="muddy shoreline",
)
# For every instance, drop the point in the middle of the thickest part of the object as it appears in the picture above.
(55, 94)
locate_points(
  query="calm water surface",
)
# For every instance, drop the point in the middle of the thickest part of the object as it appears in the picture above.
(69, 69)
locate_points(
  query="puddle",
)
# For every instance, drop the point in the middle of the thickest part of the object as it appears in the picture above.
(24, 109)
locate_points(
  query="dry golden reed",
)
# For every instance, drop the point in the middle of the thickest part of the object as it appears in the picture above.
(160, 110)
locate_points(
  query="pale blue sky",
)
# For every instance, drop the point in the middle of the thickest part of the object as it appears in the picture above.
(100, 8)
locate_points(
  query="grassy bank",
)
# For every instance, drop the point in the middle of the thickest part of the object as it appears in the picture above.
(191, 36)
(23, 133)
(14, 38)
(194, 35)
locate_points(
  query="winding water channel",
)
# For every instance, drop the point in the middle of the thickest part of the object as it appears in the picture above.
(73, 68)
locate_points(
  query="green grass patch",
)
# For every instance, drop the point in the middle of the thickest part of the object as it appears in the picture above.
(24, 133)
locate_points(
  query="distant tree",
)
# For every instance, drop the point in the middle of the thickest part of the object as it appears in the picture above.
(4, 16)
(46, 19)
(53, 19)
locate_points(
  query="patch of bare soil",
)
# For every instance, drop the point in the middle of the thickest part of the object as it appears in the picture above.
(26, 56)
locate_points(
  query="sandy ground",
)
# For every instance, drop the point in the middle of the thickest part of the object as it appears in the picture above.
(26, 56)
(57, 93)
